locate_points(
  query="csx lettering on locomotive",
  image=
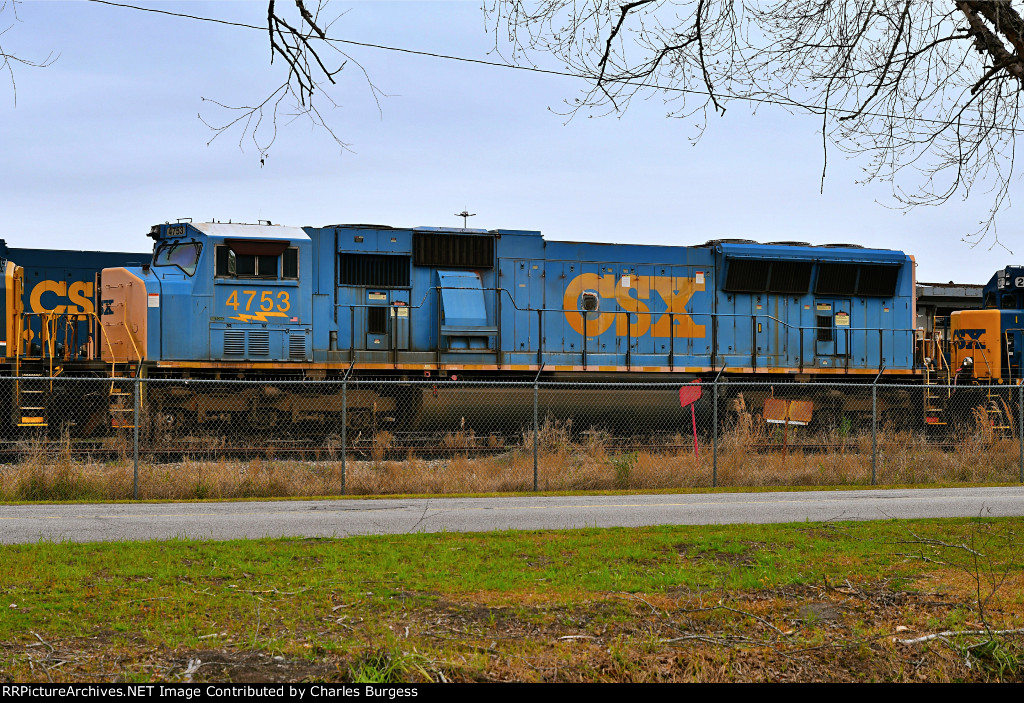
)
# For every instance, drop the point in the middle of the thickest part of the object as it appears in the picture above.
(969, 339)
(674, 292)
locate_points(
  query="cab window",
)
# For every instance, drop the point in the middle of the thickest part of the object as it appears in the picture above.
(231, 264)
(183, 256)
(290, 263)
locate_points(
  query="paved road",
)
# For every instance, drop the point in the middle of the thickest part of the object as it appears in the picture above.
(340, 518)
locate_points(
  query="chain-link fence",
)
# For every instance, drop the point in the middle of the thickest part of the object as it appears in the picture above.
(148, 438)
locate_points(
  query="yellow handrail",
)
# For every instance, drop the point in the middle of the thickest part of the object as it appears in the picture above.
(49, 318)
(131, 337)
(988, 364)
(942, 358)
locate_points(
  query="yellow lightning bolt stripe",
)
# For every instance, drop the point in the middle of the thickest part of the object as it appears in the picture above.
(258, 317)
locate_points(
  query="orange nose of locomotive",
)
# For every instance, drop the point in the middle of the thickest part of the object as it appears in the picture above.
(974, 343)
(122, 312)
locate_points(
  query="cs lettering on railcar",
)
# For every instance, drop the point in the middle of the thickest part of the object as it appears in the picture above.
(47, 295)
(968, 339)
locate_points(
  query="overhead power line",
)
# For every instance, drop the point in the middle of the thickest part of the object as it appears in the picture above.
(813, 109)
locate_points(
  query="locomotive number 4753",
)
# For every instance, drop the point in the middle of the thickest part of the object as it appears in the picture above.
(266, 300)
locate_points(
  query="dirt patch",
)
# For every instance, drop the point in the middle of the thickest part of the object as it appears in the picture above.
(535, 561)
(249, 667)
(747, 557)
(812, 612)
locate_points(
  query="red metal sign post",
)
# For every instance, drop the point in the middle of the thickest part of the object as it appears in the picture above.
(689, 395)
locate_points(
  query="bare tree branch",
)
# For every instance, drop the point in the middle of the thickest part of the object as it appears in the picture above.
(925, 93)
(302, 44)
(9, 60)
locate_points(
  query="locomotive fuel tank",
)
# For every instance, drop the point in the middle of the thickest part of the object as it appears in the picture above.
(454, 407)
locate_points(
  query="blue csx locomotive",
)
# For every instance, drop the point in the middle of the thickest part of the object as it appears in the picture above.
(271, 299)
(239, 300)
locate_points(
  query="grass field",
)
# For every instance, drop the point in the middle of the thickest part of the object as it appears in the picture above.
(798, 602)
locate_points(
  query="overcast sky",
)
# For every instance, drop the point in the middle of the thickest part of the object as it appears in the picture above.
(106, 141)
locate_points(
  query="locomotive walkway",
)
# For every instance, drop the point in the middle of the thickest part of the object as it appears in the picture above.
(342, 518)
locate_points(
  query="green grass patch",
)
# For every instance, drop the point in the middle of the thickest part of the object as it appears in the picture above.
(454, 606)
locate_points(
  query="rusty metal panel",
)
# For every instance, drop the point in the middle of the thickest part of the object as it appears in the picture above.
(795, 412)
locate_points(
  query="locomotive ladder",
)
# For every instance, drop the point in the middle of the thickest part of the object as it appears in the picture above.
(32, 396)
(999, 415)
(934, 401)
(122, 399)
(1000, 418)
(122, 387)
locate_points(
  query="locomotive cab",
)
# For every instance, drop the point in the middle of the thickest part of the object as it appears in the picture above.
(214, 292)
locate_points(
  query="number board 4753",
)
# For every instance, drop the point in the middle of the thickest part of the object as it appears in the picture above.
(258, 305)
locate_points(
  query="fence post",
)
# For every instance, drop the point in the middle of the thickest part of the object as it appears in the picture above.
(344, 429)
(1020, 427)
(874, 430)
(714, 432)
(536, 389)
(135, 435)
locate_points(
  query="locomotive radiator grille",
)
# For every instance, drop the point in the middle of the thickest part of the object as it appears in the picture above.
(234, 343)
(297, 347)
(259, 343)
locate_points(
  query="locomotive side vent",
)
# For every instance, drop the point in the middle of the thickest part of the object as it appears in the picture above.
(790, 277)
(377, 320)
(878, 280)
(446, 250)
(234, 343)
(259, 343)
(374, 270)
(768, 276)
(852, 279)
(746, 276)
(837, 279)
(297, 347)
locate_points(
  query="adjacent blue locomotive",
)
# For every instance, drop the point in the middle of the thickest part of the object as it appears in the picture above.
(267, 300)
(56, 280)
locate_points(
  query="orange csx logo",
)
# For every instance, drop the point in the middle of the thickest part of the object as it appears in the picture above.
(55, 296)
(631, 292)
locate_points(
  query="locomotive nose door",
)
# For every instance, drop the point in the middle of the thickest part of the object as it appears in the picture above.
(832, 332)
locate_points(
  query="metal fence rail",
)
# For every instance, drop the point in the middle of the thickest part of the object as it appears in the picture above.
(148, 438)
